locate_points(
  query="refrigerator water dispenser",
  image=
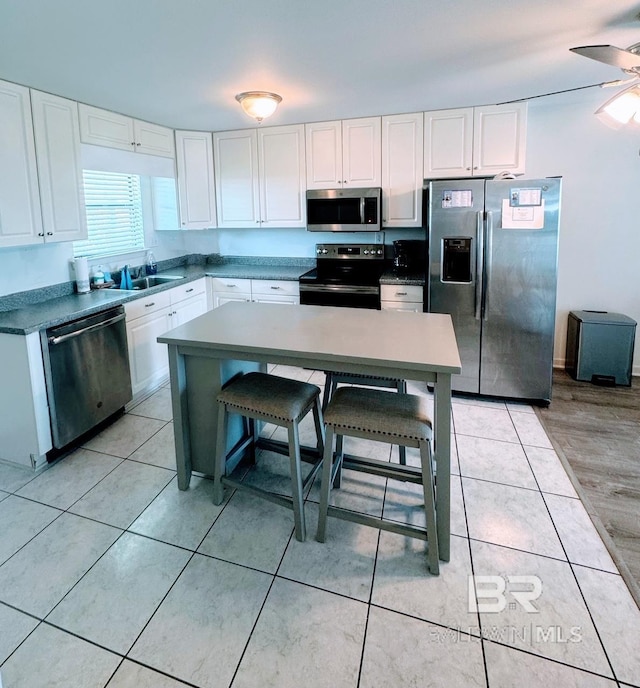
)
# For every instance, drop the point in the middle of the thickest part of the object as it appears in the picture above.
(456, 260)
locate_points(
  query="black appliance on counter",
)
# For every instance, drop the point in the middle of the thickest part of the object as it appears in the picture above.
(345, 275)
(409, 256)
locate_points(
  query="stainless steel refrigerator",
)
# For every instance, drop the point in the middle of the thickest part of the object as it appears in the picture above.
(493, 248)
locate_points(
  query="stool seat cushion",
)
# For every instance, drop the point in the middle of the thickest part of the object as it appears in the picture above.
(379, 412)
(270, 395)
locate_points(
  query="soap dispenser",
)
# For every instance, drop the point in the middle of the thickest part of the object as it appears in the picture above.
(151, 267)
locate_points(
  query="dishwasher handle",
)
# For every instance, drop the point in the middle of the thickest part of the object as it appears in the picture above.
(52, 341)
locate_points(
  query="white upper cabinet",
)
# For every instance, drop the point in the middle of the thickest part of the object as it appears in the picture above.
(499, 139)
(402, 170)
(20, 215)
(194, 163)
(57, 138)
(281, 165)
(344, 153)
(260, 177)
(105, 128)
(361, 152)
(481, 141)
(235, 158)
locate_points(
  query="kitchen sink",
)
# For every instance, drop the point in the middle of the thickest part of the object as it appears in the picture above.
(151, 281)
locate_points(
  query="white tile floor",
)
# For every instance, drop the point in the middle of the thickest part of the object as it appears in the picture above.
(111, 576)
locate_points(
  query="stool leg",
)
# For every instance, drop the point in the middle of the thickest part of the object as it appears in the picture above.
(317, 419)
(221, 455)
(337, 480)
(328, 384)
(430, 507)
(401, 387)
(254, 431)
(296, 482)
(325, 485)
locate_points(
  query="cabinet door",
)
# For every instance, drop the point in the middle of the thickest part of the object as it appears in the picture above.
(499, 139)
(57, 137)
(324, 154)
(153, 139)
(402, 168)
(235, 158)
(105, 128)
(281, 161)
(448, 143)
(188, 309)
(194, 163)
(148, 358)
(222, 297)
(20, 217)
(361, 152)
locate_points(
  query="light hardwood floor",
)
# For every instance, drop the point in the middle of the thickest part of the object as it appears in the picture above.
(597, 430)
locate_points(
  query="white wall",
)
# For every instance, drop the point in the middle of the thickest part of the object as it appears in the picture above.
(599, 259)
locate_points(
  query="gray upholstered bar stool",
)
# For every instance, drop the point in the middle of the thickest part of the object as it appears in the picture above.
(384, 417)
(277, 400)
(333, 379)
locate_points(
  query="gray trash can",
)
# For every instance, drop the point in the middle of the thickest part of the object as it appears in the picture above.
(600, 347)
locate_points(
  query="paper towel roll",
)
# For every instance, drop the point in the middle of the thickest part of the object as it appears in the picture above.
(81, 267)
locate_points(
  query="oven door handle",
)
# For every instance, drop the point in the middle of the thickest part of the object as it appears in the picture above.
(76, 333)
(338, 289)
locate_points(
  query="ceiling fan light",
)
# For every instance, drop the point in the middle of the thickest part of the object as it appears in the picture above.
(259, 104)
(622, 108)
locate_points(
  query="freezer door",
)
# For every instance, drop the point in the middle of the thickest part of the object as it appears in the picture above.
(521, 249)
(455, 216)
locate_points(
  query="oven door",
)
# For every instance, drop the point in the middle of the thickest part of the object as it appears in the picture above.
(344, 295)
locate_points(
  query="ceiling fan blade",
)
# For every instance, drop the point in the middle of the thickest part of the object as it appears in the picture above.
(609, 54)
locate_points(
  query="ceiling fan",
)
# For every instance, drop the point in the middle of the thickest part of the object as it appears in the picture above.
(627, 60)
(623, 108)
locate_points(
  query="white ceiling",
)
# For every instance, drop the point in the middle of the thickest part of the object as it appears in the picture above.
(181, 62)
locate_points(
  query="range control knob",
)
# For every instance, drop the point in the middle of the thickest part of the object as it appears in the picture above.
(318, 250)
(325, 250)
(379, 251)
(366, 252)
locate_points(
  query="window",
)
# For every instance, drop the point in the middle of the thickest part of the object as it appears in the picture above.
(113, 204)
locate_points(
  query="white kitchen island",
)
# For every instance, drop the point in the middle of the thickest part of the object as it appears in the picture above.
(207, 351)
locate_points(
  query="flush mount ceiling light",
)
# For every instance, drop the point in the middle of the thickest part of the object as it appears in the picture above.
(622, 109)
(259, 104)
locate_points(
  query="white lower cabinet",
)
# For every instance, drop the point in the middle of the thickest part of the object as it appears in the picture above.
(401, 297)
(152, 316)
(25, 430)
(224, 290)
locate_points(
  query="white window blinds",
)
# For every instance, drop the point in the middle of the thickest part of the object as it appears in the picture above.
(113, 204)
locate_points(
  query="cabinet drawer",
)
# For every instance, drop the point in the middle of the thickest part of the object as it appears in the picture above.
(275, 287)
(187, 291)
(401, 292)
(231, 284)
(147, 304)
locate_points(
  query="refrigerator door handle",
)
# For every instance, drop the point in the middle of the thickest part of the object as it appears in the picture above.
(488, 263)
(479, 252)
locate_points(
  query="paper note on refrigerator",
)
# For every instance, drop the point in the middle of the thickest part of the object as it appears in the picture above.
(522, 217)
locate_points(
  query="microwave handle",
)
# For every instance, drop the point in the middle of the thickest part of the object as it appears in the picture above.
(361, 210)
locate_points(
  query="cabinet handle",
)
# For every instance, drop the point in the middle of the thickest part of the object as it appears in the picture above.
(137, 144)
(49, 233)
(231, 286)
(40, 233)
(148, 305)
(276, 287)
(401, 293)
(188, 290)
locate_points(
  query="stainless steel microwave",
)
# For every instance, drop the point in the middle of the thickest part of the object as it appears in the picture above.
(344, 210)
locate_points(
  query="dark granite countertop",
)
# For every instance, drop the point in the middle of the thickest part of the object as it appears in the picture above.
(27, 317)
(391, 277)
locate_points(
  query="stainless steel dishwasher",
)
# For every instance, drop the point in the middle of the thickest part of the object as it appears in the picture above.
(87, 373)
